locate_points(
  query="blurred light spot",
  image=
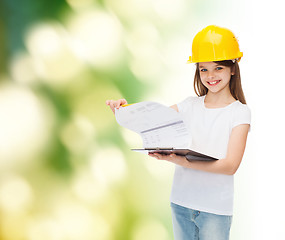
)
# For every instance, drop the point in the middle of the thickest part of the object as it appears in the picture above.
(78, 135)
(100, 228)
(146, 68)
(142, 33)
(92, 105)
(23, 69)
(100, 36)
(78, 4)
(87, 189)
(44, 229)
(44, 39)
(15, 194)
(176, 51)
(52, 49)
(78, 222)
(133, 139)
(142, 43)
(14, 225)
(108, 165)
(24, 127)
(74, 220)
(159, 169)
(150, 230)
(130, 10)
(169, 10)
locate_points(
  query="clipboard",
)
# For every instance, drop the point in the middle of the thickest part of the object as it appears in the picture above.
(189, 154)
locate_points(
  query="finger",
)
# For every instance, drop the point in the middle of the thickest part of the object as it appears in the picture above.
(121, 102)
(111, 105)
(118, 104)
(158, 156)
(113, 108)
(153, 155)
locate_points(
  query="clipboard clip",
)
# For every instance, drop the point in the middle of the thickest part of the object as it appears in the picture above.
(158, 148)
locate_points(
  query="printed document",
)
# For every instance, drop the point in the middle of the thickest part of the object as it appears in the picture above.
(159, 126)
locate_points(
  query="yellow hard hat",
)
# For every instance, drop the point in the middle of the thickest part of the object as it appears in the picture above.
(214, 43)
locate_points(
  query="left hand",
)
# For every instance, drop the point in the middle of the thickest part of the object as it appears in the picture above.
(170, 158)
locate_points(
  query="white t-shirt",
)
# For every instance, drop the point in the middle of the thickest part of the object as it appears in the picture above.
(210, 129)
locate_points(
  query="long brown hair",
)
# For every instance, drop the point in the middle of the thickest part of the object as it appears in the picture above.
(235, 82)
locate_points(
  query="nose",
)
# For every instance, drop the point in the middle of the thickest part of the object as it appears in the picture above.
(211, 75)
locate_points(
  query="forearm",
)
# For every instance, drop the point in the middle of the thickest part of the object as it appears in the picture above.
(222, 166)
(227, 165)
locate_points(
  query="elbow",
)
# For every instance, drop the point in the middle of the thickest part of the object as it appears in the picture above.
(230, 167)
(231, 171)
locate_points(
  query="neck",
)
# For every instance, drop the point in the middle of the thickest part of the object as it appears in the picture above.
(219, 99)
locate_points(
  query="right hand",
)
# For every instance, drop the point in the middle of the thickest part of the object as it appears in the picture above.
(116, 104)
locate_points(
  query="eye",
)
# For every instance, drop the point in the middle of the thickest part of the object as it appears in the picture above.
(203, 69)
(219, 68)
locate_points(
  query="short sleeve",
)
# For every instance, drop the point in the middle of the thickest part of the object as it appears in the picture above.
(242, 115)
(184, 105)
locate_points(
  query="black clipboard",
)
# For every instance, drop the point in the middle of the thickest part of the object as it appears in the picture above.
(189, 154)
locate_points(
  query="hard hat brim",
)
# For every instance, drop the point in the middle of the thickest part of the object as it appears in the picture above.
(237, 58)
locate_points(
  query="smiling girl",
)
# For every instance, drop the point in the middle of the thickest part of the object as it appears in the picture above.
(219, 122)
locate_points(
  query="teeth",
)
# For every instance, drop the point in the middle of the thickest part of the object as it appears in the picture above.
(213, 82)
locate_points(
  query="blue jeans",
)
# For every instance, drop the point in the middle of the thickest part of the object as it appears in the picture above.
(191, 224)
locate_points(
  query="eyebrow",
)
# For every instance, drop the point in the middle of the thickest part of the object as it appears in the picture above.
(201, 66)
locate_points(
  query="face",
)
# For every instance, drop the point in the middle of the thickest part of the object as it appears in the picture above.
(215, 77)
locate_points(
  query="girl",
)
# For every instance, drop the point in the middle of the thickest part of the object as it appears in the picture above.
(219, 121)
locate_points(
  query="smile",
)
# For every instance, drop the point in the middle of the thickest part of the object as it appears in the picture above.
(214, 83)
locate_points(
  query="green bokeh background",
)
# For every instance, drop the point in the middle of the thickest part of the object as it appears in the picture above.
(66, 171)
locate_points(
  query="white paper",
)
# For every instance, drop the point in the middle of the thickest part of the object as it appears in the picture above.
(158, 125)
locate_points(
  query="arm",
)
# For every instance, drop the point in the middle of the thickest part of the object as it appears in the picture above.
(116, 104)
(228, 165)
